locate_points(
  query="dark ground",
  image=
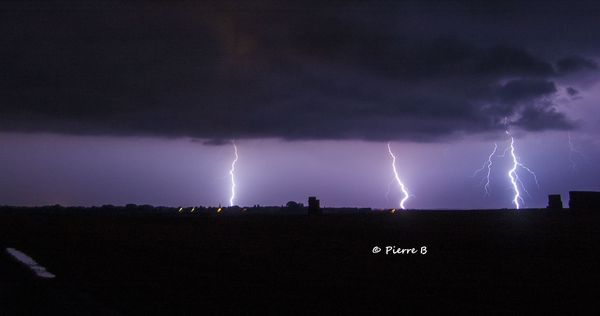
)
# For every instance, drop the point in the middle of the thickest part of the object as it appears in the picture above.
(477, 261)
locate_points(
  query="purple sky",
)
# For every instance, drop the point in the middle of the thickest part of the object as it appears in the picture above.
(40, 169)
(115, 103)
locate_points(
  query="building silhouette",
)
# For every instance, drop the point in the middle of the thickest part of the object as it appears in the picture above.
(584, 200)
(555, 202)
(314, 207)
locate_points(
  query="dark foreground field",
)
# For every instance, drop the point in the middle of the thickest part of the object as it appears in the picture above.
(503, 261)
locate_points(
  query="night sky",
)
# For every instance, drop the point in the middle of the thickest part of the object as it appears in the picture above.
(115, 103)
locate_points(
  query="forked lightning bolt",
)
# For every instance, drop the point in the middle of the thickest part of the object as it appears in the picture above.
(488, 165)
(400, 184)
(514, 176)
(572, 151)
(231, 173)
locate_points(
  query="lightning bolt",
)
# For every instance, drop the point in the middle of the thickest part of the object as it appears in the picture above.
(400, 184)
(514, 176)
(231, 173)
(512, 173)
(504, 152)
(487, 164)
(572, 151)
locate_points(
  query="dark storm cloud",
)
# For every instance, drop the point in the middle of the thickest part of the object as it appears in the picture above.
(304, 71)
(215, 142)
(525, 90)
(538, 118)
(574, 64)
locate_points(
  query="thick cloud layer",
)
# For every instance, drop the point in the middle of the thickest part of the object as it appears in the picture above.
(303, 71)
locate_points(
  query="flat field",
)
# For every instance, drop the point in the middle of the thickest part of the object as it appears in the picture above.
(475, 261)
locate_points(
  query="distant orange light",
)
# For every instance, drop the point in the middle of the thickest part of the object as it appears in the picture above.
(219, 210)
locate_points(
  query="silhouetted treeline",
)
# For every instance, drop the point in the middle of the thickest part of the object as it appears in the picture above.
(146, 209)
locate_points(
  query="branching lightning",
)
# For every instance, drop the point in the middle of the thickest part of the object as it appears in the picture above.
(514, 176)
(517, 185)
(488, 165)
(532, 174)
(231, 173)
(513, 173)
(400, 184)
(572, 152)
(504, 152)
